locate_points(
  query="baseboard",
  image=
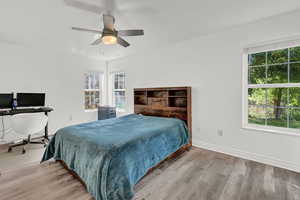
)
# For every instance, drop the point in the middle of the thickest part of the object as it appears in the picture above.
(248, 156)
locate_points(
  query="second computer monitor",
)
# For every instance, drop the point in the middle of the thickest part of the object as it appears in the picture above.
(6, 100)
(31, 99)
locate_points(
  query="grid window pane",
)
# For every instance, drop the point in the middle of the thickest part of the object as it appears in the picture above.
(92, 88)
(119, 90)
(277, 74)
(96, 81)
(87, 79)
(119, 81)
(277, 57)
(92, 99)
(256, 114)
(295, 73)
(257, 59)
(120, 99)
(295, 54)
(294, 118)
(294, 97)
(277, 97)
(257, 96)
(92, 80)
(257, 75)
(277, 117)
(277, 106)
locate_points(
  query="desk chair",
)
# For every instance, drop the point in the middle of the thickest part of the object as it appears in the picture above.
(26, 125)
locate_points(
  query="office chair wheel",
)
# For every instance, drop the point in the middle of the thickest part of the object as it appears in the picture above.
(9, 149)
(23, 151)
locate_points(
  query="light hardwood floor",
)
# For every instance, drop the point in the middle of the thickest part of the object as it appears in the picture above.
(15, 159)
(195, 175)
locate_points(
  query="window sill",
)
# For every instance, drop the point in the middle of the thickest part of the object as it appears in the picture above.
(92, 110)
(120, 110)
(272, 130)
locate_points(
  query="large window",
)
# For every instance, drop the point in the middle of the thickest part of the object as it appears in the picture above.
(118, 90)
(92, 90)
(272, 91)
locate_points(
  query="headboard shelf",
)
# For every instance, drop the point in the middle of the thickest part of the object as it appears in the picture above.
(138, 106)
(157, 93)
(165, 102)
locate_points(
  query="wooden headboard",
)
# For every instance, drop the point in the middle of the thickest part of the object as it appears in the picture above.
(173, 102)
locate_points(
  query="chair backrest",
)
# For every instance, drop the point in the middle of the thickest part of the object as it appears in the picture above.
(29, 123)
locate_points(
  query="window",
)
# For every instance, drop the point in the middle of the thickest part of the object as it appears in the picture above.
(272, 90)
(118, 90)
(92, 90)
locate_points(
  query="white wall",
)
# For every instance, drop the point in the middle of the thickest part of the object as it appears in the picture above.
(212, 65)
(59, 75)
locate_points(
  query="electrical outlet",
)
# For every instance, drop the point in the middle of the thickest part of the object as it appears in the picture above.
(220, 132)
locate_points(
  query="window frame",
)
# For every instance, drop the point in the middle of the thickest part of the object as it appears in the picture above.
(246, 85)
(113, 90)
(100, 90)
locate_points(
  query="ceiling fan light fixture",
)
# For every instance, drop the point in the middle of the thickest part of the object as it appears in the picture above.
(109, 39)
(109, 35)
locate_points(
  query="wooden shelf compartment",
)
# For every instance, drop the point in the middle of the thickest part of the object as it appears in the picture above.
(178, 93)
(160, 108)
(157, 93)
(178, 102)
(140, 100)
(140, 93)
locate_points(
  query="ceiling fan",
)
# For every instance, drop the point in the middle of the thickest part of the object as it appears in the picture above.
(109, 35)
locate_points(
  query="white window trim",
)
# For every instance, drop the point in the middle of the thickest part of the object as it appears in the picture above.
(112, 90)
(101, 89)
(271, 45)
(246, 86)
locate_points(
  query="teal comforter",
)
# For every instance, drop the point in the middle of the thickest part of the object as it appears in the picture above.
(112, 155)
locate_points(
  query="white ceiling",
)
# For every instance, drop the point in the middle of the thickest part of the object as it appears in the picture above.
(46, 23)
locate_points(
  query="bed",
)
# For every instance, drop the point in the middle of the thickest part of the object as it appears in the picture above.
(111, 156)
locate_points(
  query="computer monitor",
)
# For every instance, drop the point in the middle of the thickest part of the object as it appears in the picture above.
(31, 99)
(6, 100)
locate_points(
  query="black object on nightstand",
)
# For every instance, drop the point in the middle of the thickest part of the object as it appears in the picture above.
(106, 112)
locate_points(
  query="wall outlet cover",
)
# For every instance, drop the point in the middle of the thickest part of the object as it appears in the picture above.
(220, 132)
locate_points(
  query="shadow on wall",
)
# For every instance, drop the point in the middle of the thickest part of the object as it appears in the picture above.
(7, 134)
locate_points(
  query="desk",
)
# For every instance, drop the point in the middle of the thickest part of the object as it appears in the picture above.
(45, 110)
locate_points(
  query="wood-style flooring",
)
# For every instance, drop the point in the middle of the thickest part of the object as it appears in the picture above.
(195, 175)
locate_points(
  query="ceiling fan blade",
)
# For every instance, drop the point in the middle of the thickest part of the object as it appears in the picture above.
(86, 30)
(122, 42)
(108, 21)
(96, 42)
(130, 32)
(85, 6)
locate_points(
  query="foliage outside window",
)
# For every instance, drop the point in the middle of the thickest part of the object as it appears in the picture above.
(92, 90)
(118, 91)
(274, 89)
